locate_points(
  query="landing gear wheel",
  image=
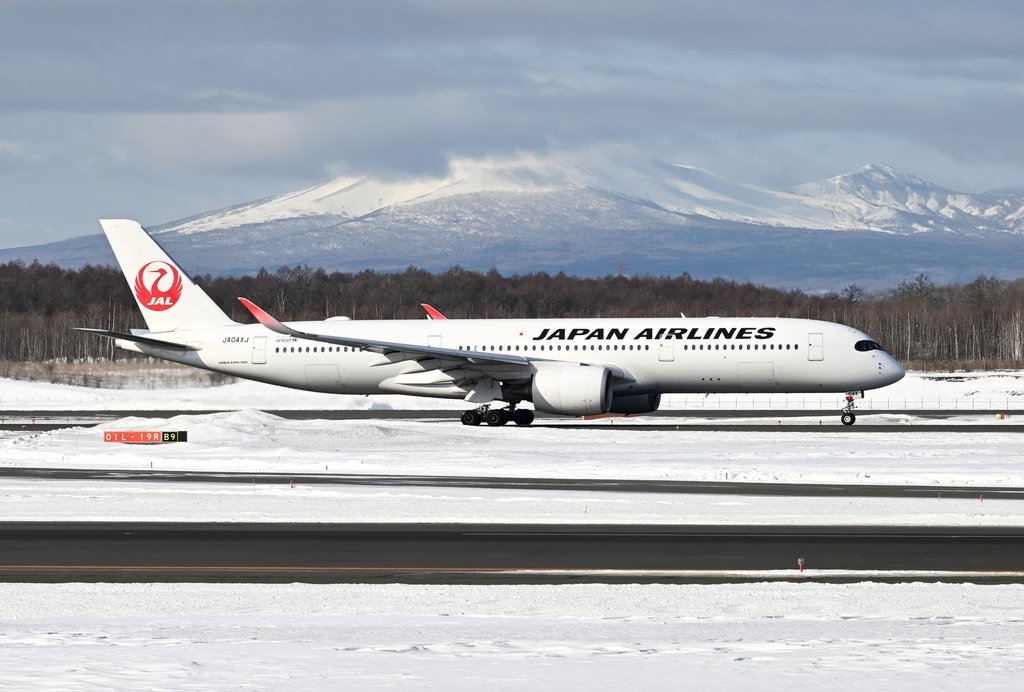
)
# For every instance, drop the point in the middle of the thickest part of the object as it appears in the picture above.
(471, 417)
(849, 419)
(522, 416)
(498, 416)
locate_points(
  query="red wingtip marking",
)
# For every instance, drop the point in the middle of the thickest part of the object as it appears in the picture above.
(432, 312)
(259, 313)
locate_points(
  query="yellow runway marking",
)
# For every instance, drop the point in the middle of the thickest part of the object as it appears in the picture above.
(533, 570)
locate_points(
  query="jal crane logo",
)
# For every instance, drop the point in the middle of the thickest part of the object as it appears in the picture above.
(158, 286)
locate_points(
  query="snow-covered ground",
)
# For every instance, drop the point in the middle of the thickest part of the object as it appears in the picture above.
(902, 636)
(255, 442)
(251, 441)
(584, 637)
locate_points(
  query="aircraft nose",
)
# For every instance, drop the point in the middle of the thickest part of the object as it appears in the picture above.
(889, 370)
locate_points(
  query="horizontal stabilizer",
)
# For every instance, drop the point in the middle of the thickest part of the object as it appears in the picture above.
(158, 343)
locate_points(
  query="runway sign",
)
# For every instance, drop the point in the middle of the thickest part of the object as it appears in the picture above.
(146, 437)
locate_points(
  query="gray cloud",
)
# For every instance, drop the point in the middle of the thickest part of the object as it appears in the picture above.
(172, 107)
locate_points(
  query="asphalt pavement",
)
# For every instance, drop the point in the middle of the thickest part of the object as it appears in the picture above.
(493, 553)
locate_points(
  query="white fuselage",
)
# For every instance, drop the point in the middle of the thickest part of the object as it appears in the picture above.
(658, 355)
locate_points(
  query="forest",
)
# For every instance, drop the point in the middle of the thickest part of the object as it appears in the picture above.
(926, 326)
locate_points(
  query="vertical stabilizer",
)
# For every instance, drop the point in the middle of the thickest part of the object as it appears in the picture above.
(167, 296)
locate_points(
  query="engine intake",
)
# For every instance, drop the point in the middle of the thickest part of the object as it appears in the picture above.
(584, 390)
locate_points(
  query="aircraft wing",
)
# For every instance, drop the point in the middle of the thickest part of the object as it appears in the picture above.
(478, 361)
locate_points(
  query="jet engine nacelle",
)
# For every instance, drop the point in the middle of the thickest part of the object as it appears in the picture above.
(636, 403)
(572, 391)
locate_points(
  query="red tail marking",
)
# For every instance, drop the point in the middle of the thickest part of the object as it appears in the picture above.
(149, 291)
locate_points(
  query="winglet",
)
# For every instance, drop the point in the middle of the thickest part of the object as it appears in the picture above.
(264, 318)
(432, 312)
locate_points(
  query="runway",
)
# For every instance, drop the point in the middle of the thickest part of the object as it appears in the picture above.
(703, 420)
(498, 553)
(524, 483)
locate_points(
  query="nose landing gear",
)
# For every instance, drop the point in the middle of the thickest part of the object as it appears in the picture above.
(851, 400)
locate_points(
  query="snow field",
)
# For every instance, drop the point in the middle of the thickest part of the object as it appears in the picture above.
(584, 637)
(255, 442)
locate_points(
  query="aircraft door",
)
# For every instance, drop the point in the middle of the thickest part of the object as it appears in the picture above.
(666, 352)
(815, 347)
(259, 350)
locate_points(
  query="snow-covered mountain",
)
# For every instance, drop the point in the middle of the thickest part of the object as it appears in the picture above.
(888, 199)
(876, 226)
(877, 198)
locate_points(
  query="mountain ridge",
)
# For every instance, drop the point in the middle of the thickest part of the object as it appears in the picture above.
(875, 226)
(876, 197)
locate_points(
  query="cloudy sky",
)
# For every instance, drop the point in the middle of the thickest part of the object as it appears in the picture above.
(162, 109)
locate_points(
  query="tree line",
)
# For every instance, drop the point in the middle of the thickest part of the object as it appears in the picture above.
(972, 325)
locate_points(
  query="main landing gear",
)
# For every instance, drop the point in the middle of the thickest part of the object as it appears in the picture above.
(498, 416)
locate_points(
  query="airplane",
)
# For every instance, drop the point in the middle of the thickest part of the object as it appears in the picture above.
(570, 367)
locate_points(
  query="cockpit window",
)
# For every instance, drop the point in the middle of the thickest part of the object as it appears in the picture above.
(867, 346)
